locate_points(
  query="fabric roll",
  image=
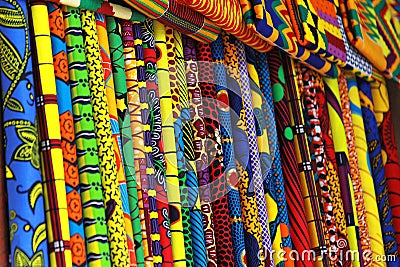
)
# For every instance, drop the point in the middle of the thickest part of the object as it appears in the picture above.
(342, 154)
(370, 202)
(316, 228)
(231, 174)
(174, 199)
(179, 17)
(375, 156)
(389, 149)
(137, 138)
(4, 244)
(28, 242)
(107, 162)
(296, 209)
(50, 140)
(114, 31)
(200, 150)
(219, 187)
(354, 169)
(255, 254)
(97, 251)
(67, 131)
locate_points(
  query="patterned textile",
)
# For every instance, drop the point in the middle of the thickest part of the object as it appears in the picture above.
(272, 22)
(111, 192)
(199, 146)
(50, 141)
(316, 228)
(68, 146)
(97, 248)
(26, 212)
(179, 17)
(229, 18)
(137, 138)
(343, 168)
(372, 212)
(145, 30)
(223, 234)
(251, 224)
(296, 211)
(178, 249)
(354, 169)
(231, 174)
(389, 149)
(114, 31)
(4, 236)
(181, 109)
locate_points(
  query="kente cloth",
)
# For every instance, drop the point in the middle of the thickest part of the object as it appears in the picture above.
(253, 151)
(145, 32)
(332, 176)
(175, 15)
(114, 31)
(370, 202)
(274, 186)
(343, 169)
(219, 185)
(375, 157)
(26, 211)
(231, 174)
(316, 228)
(273, 23)
(55, 197)
(228, 16)
(354, 169)
(112, 196)
(389, 150)
(168, 134)
(199, 146)
(4, 236)
(85, 138)
(68, 146)
(184, 145)
(174, 81)
(311, 83)
(116, 135)
(395, 8)
(267, 146)
(103, 7)
(390, 38)
(137, 138)
(296, 210)
(251, 224)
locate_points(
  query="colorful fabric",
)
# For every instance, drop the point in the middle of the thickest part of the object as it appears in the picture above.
(343, 168)
(223, 234)
(179, 17)
(316, 228)
(372, 213)
(114, 31)
(252, 227)
(111, 192)
(137, 138)
(150, 62)
(50, 141)
(26, 210)
(4, 243)
(97, 248)
(60, 62)
(178, 249)
(375, 156)
(389, 150)
(231, 174)
(296, 210)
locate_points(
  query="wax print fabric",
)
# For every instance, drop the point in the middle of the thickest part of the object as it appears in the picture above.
(97, 248)
(107, 162)
(50, 140)
(27, 239)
